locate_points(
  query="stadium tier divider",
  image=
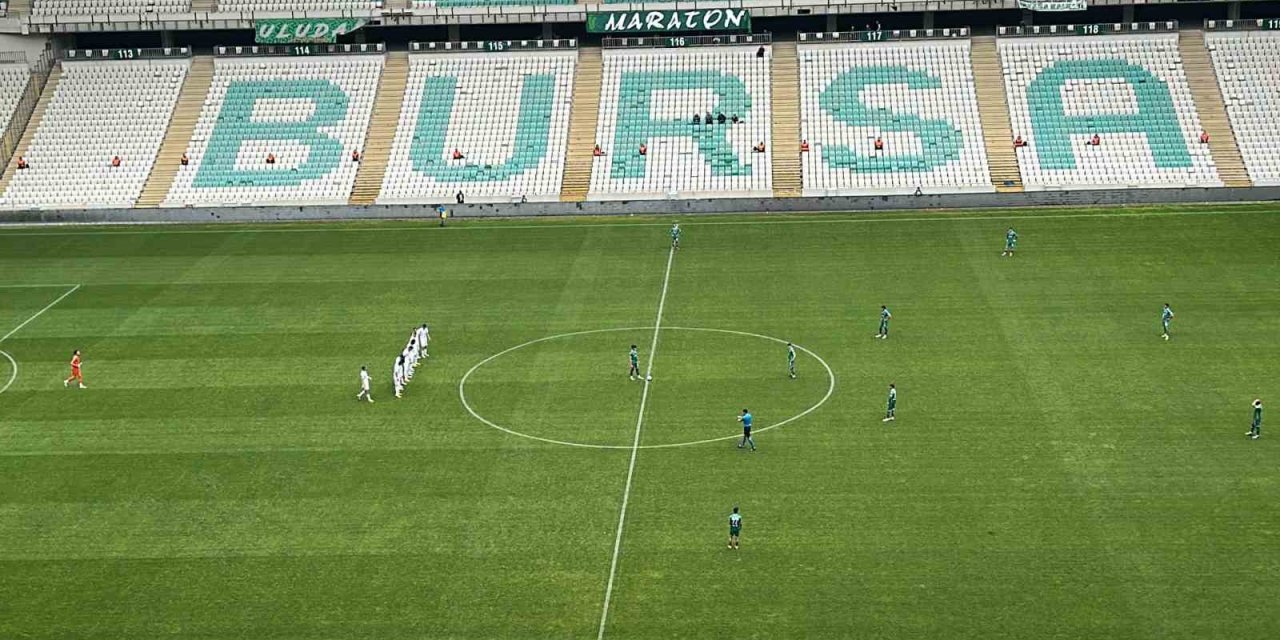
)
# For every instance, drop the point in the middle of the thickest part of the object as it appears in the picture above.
(79, 55)
(1109, 29)
(492, 46)
(680, 41)
(880, 35)
(301, 50)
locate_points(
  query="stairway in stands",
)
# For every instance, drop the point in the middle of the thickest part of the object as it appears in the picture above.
(1206, 91)
(993, 110)
(382, 129)
(788, 182)
(198, 6)
(182, 124)
(33, 125)
(576, 181)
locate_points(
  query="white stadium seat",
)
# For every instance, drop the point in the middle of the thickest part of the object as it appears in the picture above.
(651, 96)
(508, 115)
(309, 113)
(1130, 90)
(918, 98)
(99, 110)
(107, 7)
(1249, 77)
(298, 5)
(14, 78)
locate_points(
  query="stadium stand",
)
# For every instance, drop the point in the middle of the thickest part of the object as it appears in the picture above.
(993, 107)
(295, 5)
(279, 131)
(425, 4)
(1130, 91)
(105, 7)
(785, 114)
(583, 116)
(649, 97)
(1248, 74)
(383, 125)
(13, 83)
(505, 114)
(100, 110)
(186, 113)
(916, 98)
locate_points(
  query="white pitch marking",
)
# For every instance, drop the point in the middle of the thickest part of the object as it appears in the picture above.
(13, 376)
(40, 312)
(635, 445)
(462, 393)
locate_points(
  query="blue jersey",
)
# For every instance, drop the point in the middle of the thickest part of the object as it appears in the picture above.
(746, 421)
(1011, 237)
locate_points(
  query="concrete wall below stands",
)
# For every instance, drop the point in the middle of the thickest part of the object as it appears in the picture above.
(650, 207)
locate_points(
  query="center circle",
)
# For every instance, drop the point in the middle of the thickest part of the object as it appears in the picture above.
(462, 386)
(13, 375)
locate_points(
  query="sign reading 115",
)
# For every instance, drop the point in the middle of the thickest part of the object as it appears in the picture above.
(1270, 23)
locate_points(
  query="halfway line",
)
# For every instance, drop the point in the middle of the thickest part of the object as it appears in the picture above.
(635, 447)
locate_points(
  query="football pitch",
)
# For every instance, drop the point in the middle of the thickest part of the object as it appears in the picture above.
(1056, 469)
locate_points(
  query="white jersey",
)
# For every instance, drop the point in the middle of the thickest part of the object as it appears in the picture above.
(364, 379)
(424, 335)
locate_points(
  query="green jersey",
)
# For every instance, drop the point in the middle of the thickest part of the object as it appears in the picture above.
(1011, 239)
(791, 355)
(1257, 416)
(675, 233)
(893, 398)
(735, 522)
(635, 357)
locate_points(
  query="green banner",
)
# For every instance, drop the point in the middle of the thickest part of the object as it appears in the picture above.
(294, 30)
(669, 21)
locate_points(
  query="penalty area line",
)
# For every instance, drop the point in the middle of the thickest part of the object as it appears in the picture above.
(635, 447)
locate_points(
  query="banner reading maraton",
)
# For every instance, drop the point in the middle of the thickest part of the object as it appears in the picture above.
(1053, 5)
(669, 21)
(308, 30)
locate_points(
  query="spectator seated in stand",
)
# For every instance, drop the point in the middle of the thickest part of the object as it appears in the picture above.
(597, 152)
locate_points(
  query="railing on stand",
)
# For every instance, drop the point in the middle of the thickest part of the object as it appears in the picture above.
(27, 103)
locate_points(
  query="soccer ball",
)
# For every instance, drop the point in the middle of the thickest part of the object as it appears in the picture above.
(648, 378)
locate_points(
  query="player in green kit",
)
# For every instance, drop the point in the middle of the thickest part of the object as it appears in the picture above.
(735, 528)
(1010, 242)
(1255, 430)
(634, 356)
(791, 359)
(893, 404)
(1166, 317)
(885, 317)
(675, 236)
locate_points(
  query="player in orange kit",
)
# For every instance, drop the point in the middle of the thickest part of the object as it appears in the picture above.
(75, 371)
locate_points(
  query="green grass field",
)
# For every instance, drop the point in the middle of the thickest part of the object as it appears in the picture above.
(1056, 469)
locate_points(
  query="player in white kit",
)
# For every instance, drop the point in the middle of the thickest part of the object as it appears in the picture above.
(408, 363)
(424, 339)
(397, 376)
(364, 385)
